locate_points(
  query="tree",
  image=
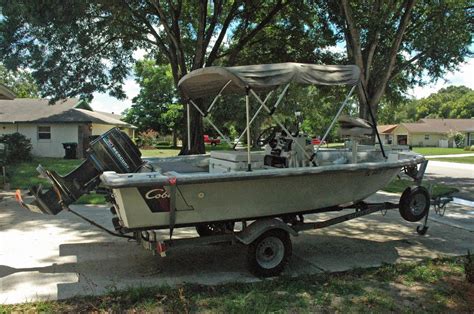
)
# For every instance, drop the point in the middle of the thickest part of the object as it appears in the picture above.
(399, 43)
(455, 102)
(300, 33)
(20, 82)
(452, 102)
(171, 118)
(157, 90)
(79, 47)
(394, 112)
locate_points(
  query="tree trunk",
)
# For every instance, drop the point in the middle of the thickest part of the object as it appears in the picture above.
(175, 139)
(197, 133)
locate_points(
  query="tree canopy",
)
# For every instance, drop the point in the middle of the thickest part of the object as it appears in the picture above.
(80, 47)
(403, 42)
(455, 102)
(20, 82)
(451, 102)
(157, 91)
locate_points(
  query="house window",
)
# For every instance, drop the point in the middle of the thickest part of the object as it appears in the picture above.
(427, 137)
(44, 132)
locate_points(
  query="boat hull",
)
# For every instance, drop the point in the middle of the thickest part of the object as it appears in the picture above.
(249, 198)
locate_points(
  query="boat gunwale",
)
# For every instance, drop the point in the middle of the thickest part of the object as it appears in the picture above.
(114, 180)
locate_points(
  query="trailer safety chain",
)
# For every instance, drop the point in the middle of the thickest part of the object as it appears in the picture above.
(101, 227)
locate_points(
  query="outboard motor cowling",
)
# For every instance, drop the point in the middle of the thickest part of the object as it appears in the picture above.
(112, 151)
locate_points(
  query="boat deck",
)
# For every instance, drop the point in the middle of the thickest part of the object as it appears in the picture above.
(198, 164)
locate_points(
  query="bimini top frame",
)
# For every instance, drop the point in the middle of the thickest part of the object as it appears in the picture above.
(250, 79)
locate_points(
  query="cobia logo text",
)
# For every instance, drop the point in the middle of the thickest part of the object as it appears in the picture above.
(157, 194)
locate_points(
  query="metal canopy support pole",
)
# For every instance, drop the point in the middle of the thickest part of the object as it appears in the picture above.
(204, 115)
(334, 120)
(253, 119)
(210, 122)
(188, 119)
(247, 110)
(280, 124)
(275, 106)
(217, 97)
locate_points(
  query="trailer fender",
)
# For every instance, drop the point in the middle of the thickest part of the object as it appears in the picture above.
(257, 228)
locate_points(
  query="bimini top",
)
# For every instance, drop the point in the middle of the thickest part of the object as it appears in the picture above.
(209, 81)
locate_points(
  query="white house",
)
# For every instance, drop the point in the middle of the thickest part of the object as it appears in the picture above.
(49, 126)
(428, 132)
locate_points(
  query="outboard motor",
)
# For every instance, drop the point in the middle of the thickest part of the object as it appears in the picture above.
(112, 151)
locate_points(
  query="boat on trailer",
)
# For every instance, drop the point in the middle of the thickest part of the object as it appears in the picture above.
(268, 191)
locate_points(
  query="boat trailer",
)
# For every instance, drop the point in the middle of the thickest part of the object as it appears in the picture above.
(268, 239)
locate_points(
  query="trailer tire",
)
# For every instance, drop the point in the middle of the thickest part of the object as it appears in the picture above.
(268, 255)
(414, 203)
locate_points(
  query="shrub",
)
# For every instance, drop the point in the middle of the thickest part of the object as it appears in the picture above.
(146, 139)
(472, 148)
(467, 148)
(457, 137)
(18, 147)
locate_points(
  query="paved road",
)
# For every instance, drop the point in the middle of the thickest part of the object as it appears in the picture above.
(457, 175)
(451, 156)
(44, 257)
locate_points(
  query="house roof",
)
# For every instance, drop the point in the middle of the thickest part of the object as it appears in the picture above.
(386, 129)
(440, 125)
(111, 115)
(70, 110)
(6, 93)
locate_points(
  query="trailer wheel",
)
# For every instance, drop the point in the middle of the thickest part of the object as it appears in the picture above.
(268, 255)
(215, 228)
(414, 203)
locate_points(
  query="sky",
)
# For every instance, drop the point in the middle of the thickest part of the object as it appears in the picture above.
(464, 76)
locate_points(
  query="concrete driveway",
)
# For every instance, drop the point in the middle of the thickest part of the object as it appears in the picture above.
(55, 257)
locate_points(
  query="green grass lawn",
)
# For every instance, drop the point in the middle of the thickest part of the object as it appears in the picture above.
(160, 152)
(427, 151)
(461, 160)
(431, 286)
(399, 185)
(24, 174)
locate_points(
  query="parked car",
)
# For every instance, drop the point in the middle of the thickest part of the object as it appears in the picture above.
(210, 140)
(317, 141)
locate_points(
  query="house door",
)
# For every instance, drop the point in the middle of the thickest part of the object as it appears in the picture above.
(402, 139)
